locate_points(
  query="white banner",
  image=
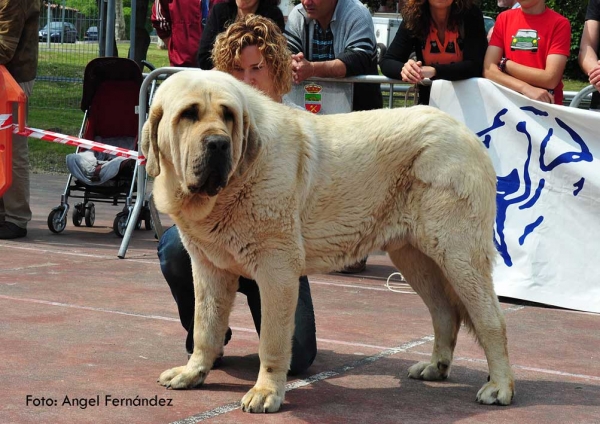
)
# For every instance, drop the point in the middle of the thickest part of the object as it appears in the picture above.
(547, 160)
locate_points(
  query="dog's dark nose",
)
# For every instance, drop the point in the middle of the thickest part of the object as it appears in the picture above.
(217, 143)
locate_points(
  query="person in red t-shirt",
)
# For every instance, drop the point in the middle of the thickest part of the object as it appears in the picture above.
(528, 51)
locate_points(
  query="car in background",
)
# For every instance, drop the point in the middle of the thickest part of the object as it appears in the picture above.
(386, 26)
(91, 34)
(59, 32)
(488, 23)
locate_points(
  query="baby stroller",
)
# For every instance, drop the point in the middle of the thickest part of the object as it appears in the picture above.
(111, 87)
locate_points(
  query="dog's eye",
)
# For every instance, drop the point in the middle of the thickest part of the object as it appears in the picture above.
(227, 114)
(191, 113)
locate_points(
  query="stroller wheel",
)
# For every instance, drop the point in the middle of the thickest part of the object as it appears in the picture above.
(90, 214)
(120, 224)
(55, 223)
(77, 215)
(149, 223)
(147, 217)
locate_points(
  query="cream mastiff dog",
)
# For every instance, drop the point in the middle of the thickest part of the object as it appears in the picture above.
(260, 190)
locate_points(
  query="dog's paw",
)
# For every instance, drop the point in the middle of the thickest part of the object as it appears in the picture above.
(262, 400)
(182, 378)
(493, 393)
(428, 371)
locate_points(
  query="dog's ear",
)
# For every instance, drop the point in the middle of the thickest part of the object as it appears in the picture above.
(150, 140)
(250, 143)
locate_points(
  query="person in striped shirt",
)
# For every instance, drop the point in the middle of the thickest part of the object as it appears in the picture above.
(335, 39)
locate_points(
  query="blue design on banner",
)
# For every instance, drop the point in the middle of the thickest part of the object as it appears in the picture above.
(578, 186)
(509, 185)
(567, 157)
(536, 195)
(534, 110)
(529, 229)
(495, 125)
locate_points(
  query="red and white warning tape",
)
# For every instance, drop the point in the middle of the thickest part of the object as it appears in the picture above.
(6, 122)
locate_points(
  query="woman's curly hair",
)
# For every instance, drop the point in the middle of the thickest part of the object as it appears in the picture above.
(255, 30)
(417, 16)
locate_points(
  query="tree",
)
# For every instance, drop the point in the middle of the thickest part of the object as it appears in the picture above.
(120, 27)
(86, 7)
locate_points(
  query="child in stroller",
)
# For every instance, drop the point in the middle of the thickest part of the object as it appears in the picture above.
(111, 88)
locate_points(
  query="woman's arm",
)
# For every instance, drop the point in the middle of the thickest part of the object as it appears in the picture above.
(398, 53)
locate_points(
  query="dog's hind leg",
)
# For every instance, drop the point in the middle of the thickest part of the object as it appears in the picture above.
(465, 254)
(425, 277)
(473, 285)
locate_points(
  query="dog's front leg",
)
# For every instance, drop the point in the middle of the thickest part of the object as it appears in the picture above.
(278, 299)
(214, 296)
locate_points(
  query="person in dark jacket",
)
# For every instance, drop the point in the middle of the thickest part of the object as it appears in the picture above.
(448, 37)
(224, 14)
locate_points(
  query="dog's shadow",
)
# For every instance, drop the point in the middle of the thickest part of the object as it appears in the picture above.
(353, 387)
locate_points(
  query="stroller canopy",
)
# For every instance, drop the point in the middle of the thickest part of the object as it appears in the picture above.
(104, 69)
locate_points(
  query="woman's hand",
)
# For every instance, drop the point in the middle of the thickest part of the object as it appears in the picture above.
(412, 72)
(428, 71)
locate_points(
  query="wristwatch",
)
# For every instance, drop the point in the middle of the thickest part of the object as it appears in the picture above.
(502, 64)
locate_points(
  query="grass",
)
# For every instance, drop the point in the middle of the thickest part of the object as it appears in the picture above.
(575, 85)
(55, 105)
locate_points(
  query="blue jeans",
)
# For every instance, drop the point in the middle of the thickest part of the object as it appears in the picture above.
(176, 267)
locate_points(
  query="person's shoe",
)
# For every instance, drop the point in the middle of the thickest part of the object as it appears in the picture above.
(8, 231)
(356, 268)
(227, 336)
(218, 362)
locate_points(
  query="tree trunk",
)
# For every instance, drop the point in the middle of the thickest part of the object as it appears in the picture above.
(120, 29)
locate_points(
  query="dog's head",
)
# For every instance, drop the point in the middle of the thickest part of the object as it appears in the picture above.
(199, 128)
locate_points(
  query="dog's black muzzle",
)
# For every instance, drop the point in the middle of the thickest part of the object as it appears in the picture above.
(212, 173)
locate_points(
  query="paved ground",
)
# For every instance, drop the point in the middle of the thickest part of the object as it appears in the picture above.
(80, 325)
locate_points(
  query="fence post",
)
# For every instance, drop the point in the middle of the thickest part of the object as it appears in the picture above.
(10, 92)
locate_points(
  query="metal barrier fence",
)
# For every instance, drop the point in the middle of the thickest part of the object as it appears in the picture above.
(68, 41)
